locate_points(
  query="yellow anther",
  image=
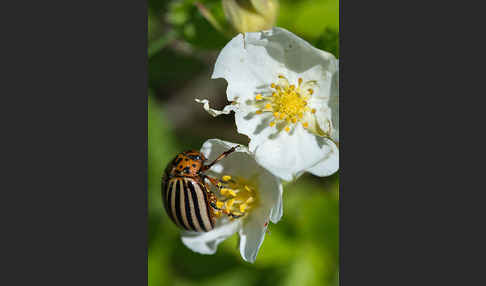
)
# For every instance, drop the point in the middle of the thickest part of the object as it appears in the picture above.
(226, 178)
(250, 200)
(219, 204)
(228, 192)
(288, 103)
(243, 207)
(229, 203)
(248, 188)
(258, 112)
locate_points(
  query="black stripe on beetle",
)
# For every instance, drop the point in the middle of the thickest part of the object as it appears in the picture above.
(189, 210)
(207, 205)
(178, 194)
(196, 206)
(168, 196)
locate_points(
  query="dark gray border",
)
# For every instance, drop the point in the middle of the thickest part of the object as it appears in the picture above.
(76, 163)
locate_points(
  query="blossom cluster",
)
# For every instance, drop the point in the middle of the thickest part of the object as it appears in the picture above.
(284, 95)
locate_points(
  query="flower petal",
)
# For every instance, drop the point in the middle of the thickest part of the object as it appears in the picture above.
(334, 105)
(252, 234)
(328, 165)
(240, 162)
(271, 195)
(287, 155)
(245, 66)
(226, 110)
(207, 242)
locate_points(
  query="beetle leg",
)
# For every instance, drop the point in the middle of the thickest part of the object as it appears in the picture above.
(235, 216)
(204, 168)
(213, 181)
(213, 200)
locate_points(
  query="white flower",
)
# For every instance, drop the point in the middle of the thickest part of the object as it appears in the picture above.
(250, 190)
(284, 93)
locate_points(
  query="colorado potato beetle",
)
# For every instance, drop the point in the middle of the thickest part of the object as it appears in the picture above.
(187, 198)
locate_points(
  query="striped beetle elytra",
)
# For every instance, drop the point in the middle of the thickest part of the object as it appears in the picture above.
(187, 198)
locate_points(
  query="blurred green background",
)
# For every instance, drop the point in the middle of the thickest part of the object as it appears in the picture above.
(303, 248)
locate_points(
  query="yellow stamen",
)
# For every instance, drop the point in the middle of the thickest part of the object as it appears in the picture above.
(226, 178)
(241, 194)
(229, 203)
(224, 191)
(288, 103)
(243, 207)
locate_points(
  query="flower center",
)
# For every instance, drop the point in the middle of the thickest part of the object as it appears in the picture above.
(238, 196)
(287, 102)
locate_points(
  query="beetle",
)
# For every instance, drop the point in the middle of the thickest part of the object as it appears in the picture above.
(187, 198)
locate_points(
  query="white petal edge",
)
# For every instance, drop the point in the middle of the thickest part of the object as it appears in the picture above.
(207, 242)
(329, 165)
(214, 112)
(252, 235)
(289, 154)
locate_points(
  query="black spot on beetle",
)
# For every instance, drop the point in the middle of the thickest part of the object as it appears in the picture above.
(177, 161)
(186, 170)
(186, 159)
(195, 157)
(194, 165)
